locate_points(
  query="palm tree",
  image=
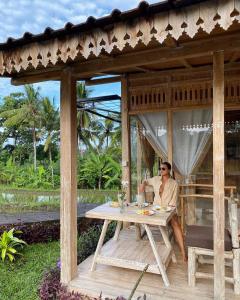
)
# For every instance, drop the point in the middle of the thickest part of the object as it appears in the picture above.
(50, 128)
(84, 119)
(28, 114)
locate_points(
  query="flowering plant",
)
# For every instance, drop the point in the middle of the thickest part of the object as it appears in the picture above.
(122, 194)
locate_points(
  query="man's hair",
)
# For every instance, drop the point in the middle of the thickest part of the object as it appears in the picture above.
(166, 163)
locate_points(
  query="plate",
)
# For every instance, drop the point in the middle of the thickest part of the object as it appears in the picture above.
(145, 212)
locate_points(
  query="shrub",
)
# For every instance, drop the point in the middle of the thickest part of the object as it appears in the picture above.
(52, 289)
(9, 245)
(42, 232)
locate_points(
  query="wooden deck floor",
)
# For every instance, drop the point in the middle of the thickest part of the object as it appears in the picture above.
(115, 281)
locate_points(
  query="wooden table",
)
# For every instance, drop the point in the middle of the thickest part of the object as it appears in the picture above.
(130, 253)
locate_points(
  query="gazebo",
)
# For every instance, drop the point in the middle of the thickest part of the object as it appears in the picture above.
(173, 56)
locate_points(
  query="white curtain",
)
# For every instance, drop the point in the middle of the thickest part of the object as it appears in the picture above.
(191, 133)
(155, 130)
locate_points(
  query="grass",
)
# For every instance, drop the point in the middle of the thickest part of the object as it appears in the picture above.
(25, 200)
(20, 280)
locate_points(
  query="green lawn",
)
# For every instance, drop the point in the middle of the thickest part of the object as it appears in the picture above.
(20, 280)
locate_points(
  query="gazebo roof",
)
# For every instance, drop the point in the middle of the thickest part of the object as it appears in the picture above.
(147, 26)
(143, 9)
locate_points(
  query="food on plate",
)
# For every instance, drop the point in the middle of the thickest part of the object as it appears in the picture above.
(114, 204)
(145, 212)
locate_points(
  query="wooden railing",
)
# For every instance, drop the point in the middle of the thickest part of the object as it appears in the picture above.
(184, 197)
(175, 95)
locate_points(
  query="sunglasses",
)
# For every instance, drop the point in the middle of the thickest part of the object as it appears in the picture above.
(163, 169)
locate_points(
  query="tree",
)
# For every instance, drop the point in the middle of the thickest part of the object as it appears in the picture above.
(83, 117)
(27, 114)
(12, 131)
(50, 128)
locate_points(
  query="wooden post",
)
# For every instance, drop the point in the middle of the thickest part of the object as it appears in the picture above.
(139, 155)
(68, 165)
(126, 138)
(218, 174)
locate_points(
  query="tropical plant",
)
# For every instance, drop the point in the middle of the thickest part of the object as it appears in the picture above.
(9, 244)
(84, 118)
(27, 115)
(50, 129)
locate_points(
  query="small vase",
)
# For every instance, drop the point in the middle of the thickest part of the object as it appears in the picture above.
(122, 207)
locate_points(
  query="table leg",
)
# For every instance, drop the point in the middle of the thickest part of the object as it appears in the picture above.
(158, 258)
(117, 231)
(167, 242)
(138, 231)
(100, 243)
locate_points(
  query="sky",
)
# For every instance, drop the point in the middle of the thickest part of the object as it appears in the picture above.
(19, 16)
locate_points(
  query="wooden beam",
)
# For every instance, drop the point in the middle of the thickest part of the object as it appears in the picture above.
(103, 80)
(33, 78)
(68, 165)
(218, 174)
(27, 78)
(158, 55)
(234, 57)
(202, 70)
(126, 138)
(186, 63)
(144, 69)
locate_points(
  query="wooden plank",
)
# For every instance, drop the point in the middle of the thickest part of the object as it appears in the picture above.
(218, 174)
(32, 78)
(126, 138)
(100, 244)
(68, 164)
(160, 264)
(106, 80)
(104, 211)
(113, 281)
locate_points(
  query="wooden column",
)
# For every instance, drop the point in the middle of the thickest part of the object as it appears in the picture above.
(126, 139)
(218, 174)
(68, 165)
(139, 155)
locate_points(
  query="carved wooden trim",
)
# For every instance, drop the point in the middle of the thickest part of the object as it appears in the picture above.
(185, 21)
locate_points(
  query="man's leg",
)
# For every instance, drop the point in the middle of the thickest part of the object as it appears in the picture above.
(178, 236)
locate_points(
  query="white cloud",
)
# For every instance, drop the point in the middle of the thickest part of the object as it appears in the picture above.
(19, 16)
(35, 15)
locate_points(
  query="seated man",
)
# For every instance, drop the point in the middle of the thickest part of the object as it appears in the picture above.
(166, 194)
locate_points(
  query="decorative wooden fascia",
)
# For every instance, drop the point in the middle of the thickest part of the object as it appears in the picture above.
(175, 23)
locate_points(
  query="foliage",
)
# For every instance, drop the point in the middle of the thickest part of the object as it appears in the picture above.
(29, 143)
(42, 232)
(98, 171)
(20, 281)
(9, 245)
